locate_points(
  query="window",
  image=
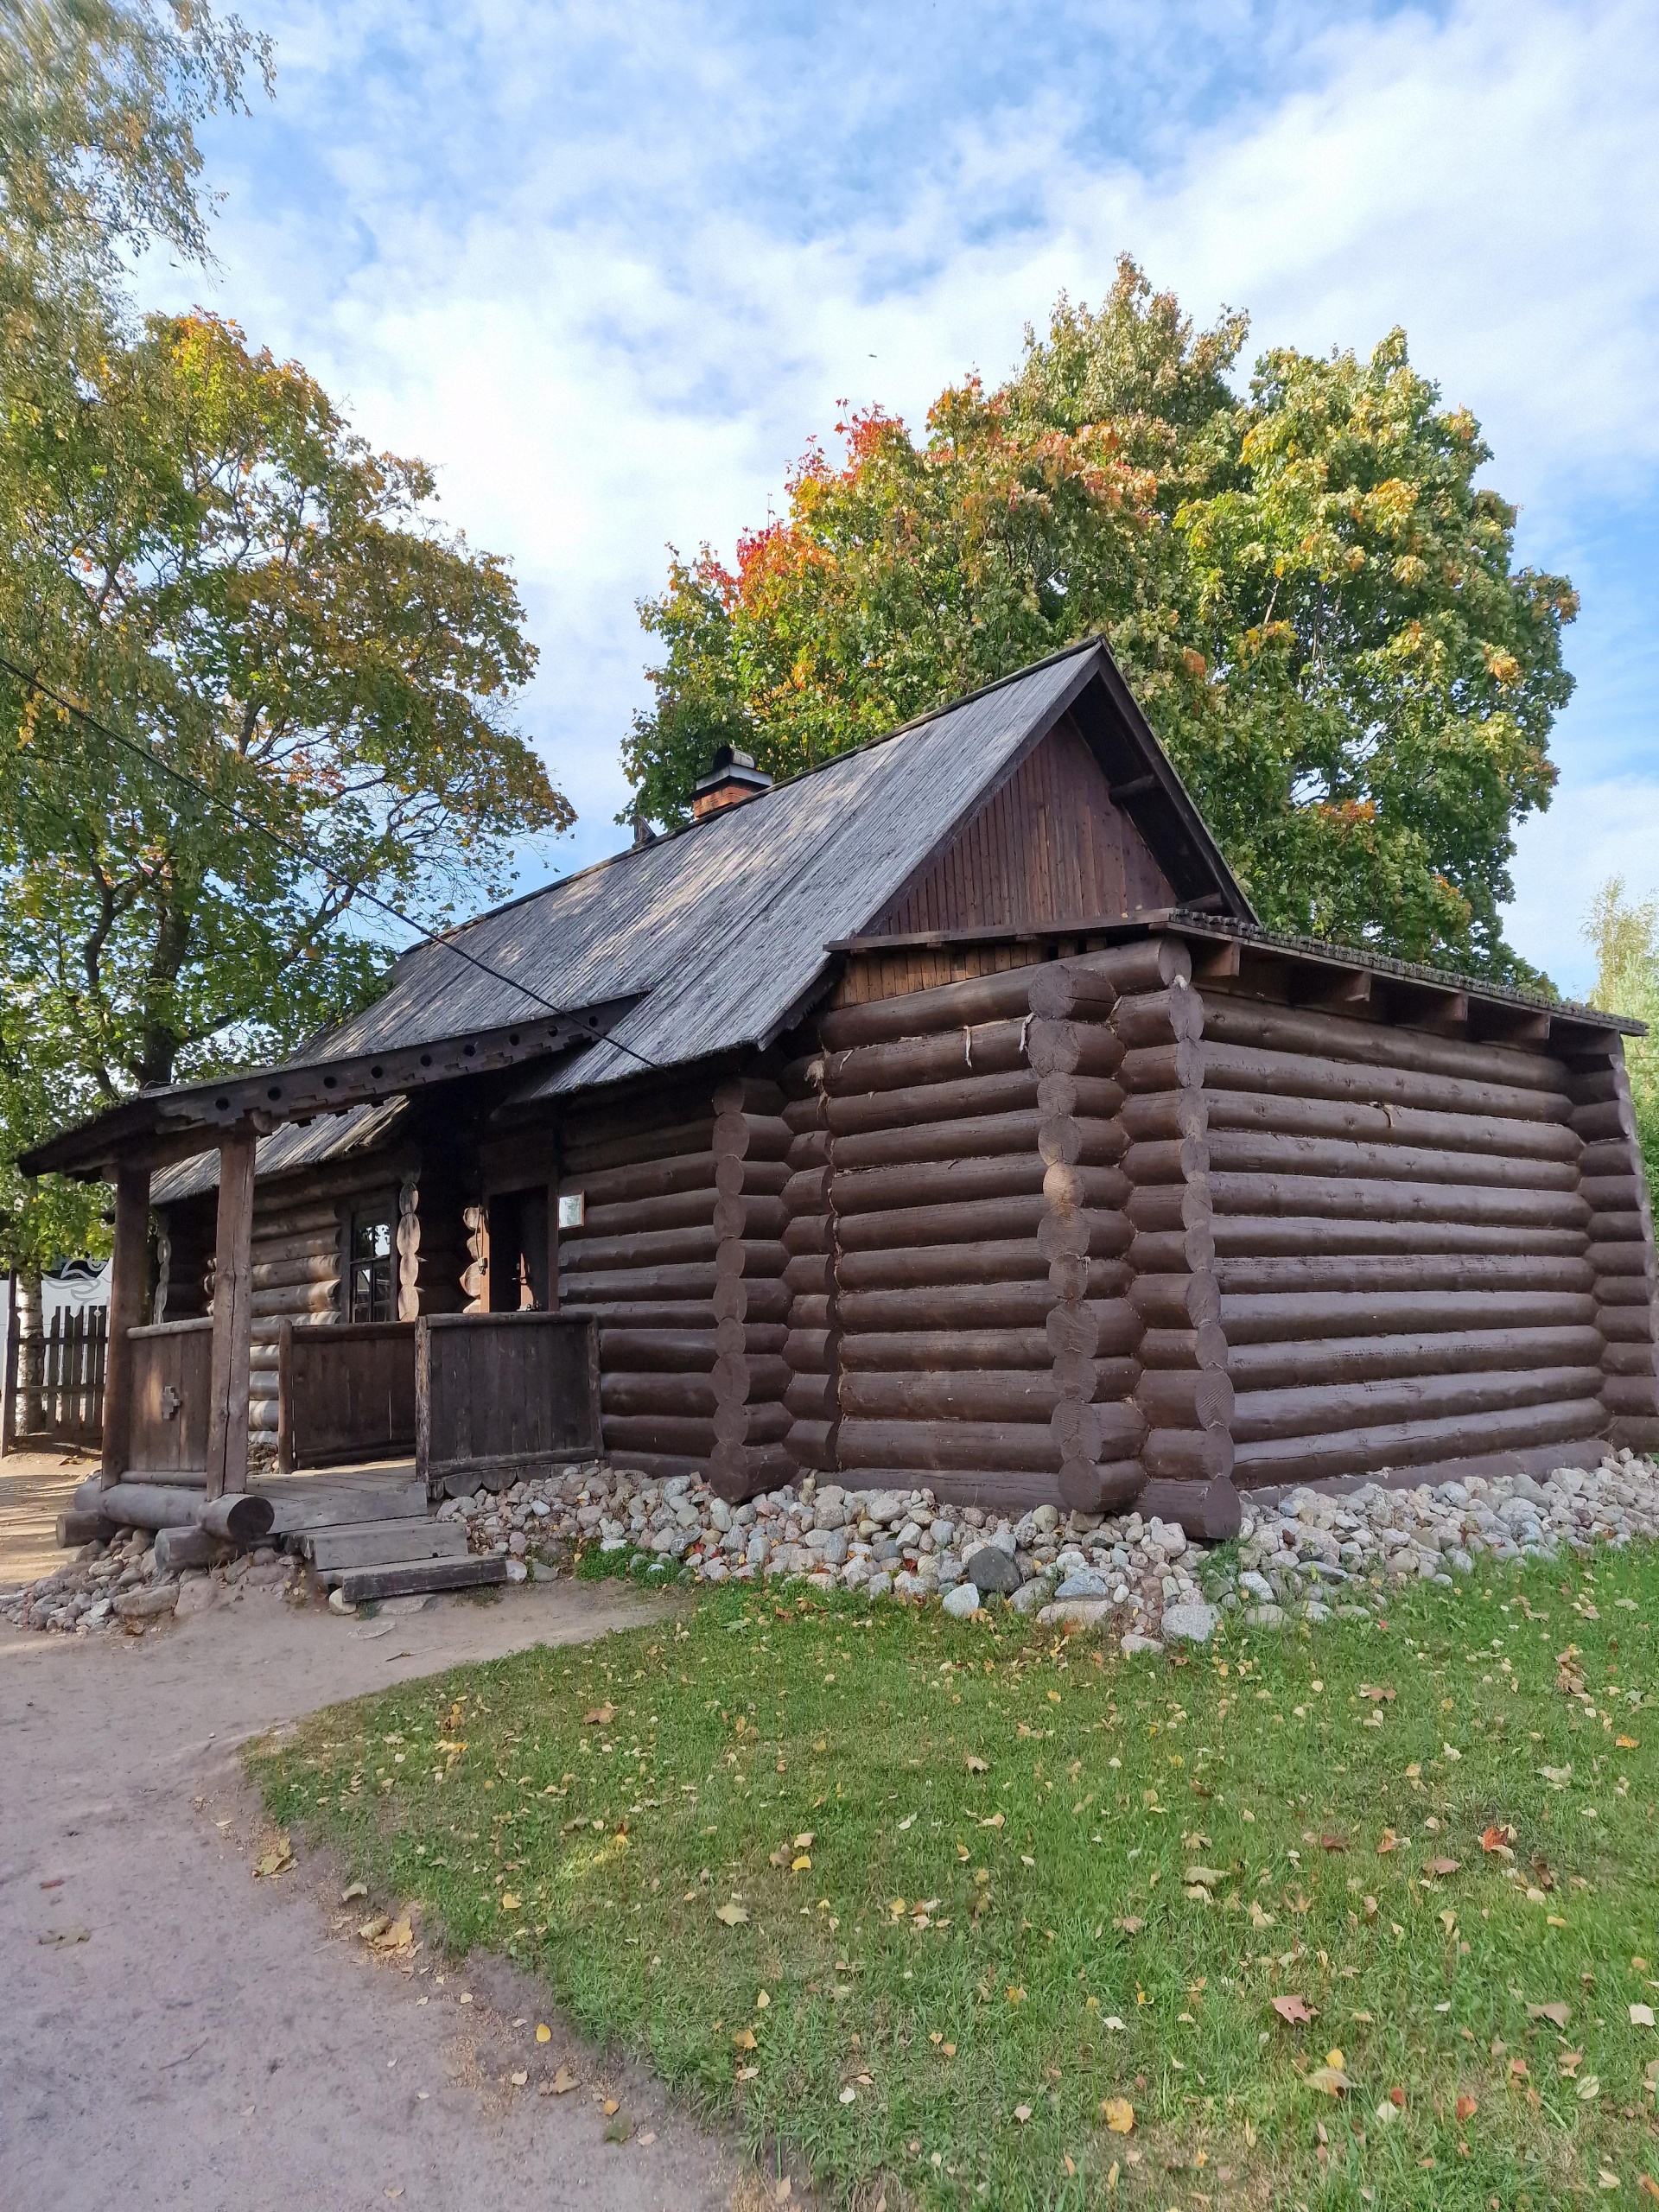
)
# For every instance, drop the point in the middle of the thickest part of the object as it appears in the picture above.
(374, 1264)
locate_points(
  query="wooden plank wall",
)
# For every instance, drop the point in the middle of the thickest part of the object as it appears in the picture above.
(1047, 845)
(1402, 1247)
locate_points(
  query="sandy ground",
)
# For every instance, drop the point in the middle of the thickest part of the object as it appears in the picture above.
(175, 2033)
(34, 1487)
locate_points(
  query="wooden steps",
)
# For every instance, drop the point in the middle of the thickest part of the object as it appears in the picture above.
(374, 1543)
(407, 1578)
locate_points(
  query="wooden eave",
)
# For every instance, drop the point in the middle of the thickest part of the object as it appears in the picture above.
(159, 1126)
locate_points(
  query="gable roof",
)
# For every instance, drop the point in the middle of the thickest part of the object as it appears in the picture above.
(721, 932)
(724, 928)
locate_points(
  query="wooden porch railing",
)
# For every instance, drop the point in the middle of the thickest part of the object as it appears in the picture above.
(345, 1391)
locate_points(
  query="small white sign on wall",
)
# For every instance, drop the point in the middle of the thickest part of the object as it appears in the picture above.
(573, 1209)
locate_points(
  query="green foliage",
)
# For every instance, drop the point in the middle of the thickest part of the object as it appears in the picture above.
(1315, 605)
(202, 553)
(1625, 936)
(989, 1876)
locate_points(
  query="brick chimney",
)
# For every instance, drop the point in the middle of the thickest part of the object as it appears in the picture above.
(731, 780)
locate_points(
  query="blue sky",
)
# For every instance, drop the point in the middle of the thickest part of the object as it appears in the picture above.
(609, 269)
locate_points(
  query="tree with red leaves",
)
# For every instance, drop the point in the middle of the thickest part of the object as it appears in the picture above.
(1316, 606)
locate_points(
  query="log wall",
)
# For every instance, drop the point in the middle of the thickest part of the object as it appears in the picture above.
(968, 1268)
(681, 1261)
(1400, 1251)
(1621, 1250)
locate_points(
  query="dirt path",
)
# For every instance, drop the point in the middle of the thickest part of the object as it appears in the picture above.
(222, 2043)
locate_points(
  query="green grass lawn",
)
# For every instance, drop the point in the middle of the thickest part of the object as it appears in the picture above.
(914, 1900)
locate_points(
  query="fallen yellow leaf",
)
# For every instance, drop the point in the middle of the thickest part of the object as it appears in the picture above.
(1119, 2115)
(734, 1914)
(543, 2033)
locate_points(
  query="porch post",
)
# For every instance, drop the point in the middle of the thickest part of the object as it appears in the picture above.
(129, 1268)
(553, 1243)
(227, 1408)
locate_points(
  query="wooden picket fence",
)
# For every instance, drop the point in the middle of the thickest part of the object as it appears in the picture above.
(65, 1403)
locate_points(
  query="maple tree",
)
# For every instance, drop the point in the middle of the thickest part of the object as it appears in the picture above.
(1315, 603)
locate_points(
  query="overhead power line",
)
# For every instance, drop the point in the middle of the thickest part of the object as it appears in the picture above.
(295, 849)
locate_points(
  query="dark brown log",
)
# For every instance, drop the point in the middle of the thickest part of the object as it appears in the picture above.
(1322, 1361)
(1362, 1122)
(1171, 1207)
(969, 1098)
(1606, 1118)
(811, 1148)
(809, 1273)
(1305, 1316)
(1094, 1329)
(757, 1258)
(1163, 1116)
(298, 1298)
(1152, 965)
(280, 1224)
(649, 1216)
(683, 1396)
(678, 1140)
(1167, 1017)
(884, 1190)
(1002, 1048)
(644, 1179)
(659, 1248)
(1327, 1409)
(1289, 1237)
(813, 1397)
(922, 1014)
(1062, 988)
(658, 1433)
(1163, 1067)
(1630, 1394)
(1617, 1228)
(594, 1287)
(1176, 1301)
(989, 1219)
(282, 1274)
(1613, 1193)
(1615, 1156)
(751, 1299)
(1173, 1251)
(689, 1351)
(809, 1235)
(990, 1137)
(801, 1115)
(752, 1377)
(1176, 1160)
(1621, 1259)
(808, 1191)
(1410, 1444)
(949, 1394)
(1238, 1152)
(1211, 1511)
(1628, 1325)
(756, 1096)
(1015, 1260)
(316, 1244)
(808, 1310)
(1313, 1196)
(1596, 1083)
(643, 1313)
(1205, 1347)
(924, 1350)
(812, 1444)
(1112, 1486)
(811, 1352)
(1624, 1290)
(746, 1137)
(970, 1305)
(1236, 1021)
(1187, 1454)
(1239, 1067)
(965, 1447)
(1174, 1397)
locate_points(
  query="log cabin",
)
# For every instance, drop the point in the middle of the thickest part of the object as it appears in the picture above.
(940, 1115)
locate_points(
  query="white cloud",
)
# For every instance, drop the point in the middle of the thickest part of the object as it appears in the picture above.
(609, 271)
(1594, 830)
